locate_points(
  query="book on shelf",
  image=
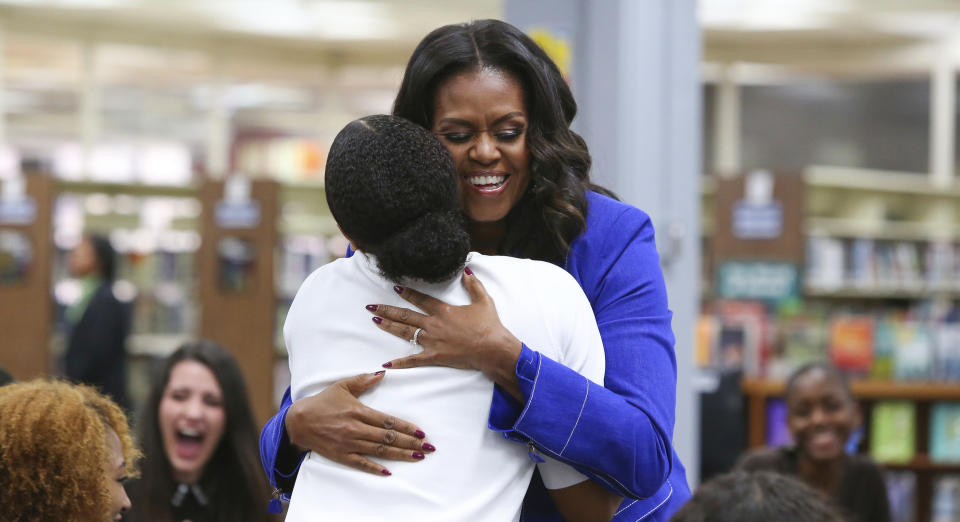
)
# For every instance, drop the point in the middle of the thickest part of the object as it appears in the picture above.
(743, 341)
(945, 432)
(884, 350)
(706, 340)
(945, 504)
(913, 359)
(801, 339)
(902, 494)
(947, 345)
(851, 343)
(862, 272)
(825, 263)
(893, 432)
(940, 264)
(777, 432)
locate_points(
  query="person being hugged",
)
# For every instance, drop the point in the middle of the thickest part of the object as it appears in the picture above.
(391, 187)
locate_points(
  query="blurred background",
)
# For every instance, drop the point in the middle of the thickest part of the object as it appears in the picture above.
(798, 158)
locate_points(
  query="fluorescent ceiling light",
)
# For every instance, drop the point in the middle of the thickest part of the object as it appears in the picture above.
(338, 20)
(769, 15)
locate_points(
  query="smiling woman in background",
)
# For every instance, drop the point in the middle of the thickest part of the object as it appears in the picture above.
(199, 442)
(821, 415)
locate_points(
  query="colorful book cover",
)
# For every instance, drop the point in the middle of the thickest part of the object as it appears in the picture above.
(851, 343)
(744, 336)
(893, 431)
(884, 350)
(902, 494)
(706, 341)
(777, 432)
(802, 340)
(945, 432)
(914, 356)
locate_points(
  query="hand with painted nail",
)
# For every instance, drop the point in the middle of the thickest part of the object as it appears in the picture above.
(465, 337)
(336, 425)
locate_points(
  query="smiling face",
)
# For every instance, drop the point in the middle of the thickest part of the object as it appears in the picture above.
(114, 470)
(821, 415)
(191, 418)
(481, 118)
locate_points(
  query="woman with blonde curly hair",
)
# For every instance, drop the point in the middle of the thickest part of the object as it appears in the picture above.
(65, 452)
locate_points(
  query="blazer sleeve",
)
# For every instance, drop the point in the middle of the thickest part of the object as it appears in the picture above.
(624, 428)
(280, 462)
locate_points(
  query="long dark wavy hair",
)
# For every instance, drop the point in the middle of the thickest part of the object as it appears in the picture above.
(232, 480)
(553, 211)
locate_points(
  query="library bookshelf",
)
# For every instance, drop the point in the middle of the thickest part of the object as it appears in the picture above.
(867, 392)
(171, 295)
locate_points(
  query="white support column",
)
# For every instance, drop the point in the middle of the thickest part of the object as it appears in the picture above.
(3, 86)
(91, 114)
(218, 128)
(726, 123)
(943, 97)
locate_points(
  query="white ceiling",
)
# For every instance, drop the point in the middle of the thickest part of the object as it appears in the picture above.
(835, 37)
(295, 60)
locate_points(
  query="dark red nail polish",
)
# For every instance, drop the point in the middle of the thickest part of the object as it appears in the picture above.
(385, 472)
(428, 447)
(417, 455)
(467, 270)
(378, 320)
(398, 289)
(388, 365)
(372, 308)
(419, 434)
(381, 372)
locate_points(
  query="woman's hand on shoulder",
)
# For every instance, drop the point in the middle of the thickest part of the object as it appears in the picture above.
(336, 425)
(467, 337)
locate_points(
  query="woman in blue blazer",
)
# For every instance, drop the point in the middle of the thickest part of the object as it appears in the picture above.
(503, 109)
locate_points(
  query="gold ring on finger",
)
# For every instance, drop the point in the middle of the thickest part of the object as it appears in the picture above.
(389, 423)
(390, 437)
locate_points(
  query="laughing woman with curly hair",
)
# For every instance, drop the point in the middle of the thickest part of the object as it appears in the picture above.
(65, 452)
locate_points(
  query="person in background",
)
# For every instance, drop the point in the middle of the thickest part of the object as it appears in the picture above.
(199, 443)
(821, 415)
(98, 322)
(65, 454)
(5, 377)
(503, 109)
(760, 496)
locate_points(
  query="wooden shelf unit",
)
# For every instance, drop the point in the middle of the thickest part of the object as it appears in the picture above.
(923, 393)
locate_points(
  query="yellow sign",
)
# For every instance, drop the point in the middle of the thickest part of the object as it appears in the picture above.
(556, 47)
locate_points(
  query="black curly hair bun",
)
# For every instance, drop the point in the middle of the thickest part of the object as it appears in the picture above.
(432, 248)
(392, 187)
